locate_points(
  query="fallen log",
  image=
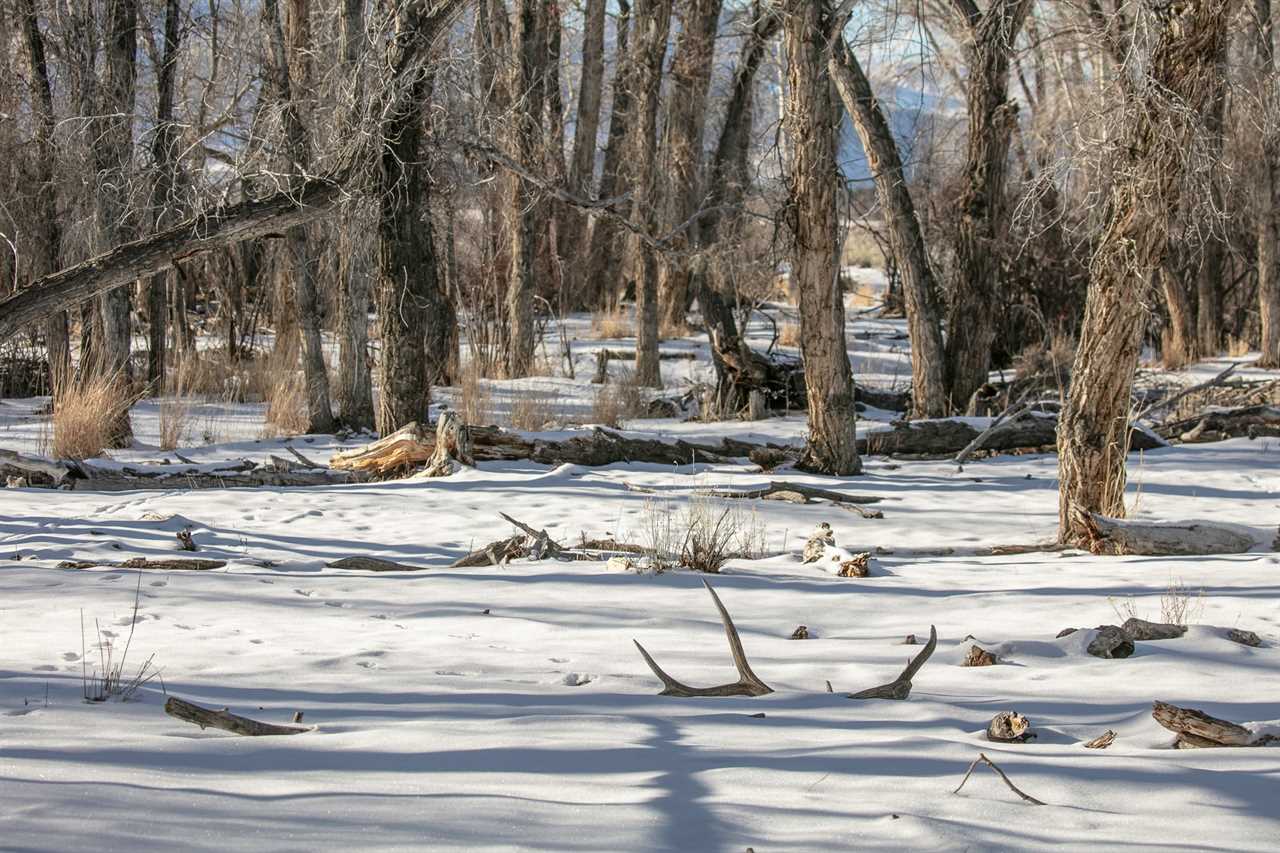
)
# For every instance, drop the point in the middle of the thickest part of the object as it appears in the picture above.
(1162, 539)
(225, 720)
(176, 564)
(1141, 629)
(1196, 729)
(371, 564)
(948, 437)
(1241, 422)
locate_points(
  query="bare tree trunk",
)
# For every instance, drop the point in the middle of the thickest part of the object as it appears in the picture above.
(600, 248)
(812, 120)
(1162, 112)
(1209, 279)
(1268, 192)
(648, 48)
(164, 158)
(1180, 345)
(982, 220)
(524, 210)
(48, 256)
(355, 385)
(113, 154)
(682, 152)
(906, 240)
(283, 63)
(590, 86)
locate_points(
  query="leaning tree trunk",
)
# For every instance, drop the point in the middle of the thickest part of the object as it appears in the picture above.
(354, 391)
(906, 239)
(113, 153)
(524, 211)
(1268, 190)
(649, 47)
(812, 121)
(982, 211)
(48, 256)
(1163, 110)
(682, 155)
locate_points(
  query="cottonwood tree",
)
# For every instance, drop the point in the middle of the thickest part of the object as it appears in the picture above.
(1268, 188)
(1165, 96)
(812, 120)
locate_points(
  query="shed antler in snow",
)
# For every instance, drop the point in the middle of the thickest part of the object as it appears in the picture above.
(748, 684)
(900, 688)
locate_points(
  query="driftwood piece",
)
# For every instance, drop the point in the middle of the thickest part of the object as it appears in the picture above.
(982, 759)
(1009, 727)
(372, 564)
(1196, 729)
(225, 720)
(1162, 539)
(801, 633)
(900, 687)
(816, 547)
(1167, 402)
(392, 455)
(452, 449)
(176, 564)
(748, 684)
(1028, 430)
(1102, 741)
(857, 566)
(1141, 629)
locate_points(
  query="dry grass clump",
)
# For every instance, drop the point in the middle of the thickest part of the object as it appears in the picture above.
(1179, 605)
(1046, 365)
(210, 373)
(533, 409)
(85, 413)
(615, 323)
(618, 400)
(475, 401)
(175, 422)
(702, 535)
(1238, 347)
(286, 400)
(670, 330)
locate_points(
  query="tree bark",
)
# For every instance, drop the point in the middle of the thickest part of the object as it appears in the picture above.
(48, 256)
(1209, 278)
(682, 152)
(649, 48)
(1180, 345)
(982, 222)
(906, 239)
(1268, 194)
(282, 62)
(113, 154)
(1175, 86)
(164, 159)
(524, 210)
(812, 121)
(354, 392)
(590, 87)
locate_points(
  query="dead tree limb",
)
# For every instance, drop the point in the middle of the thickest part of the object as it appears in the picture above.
(1196, 729)
(1169, 401)
(225, 720)
(1122, 536)
(982, 759)
(900, 687)
(746, 685)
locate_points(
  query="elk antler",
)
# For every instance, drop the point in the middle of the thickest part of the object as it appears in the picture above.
(900, 688)
(746, 685)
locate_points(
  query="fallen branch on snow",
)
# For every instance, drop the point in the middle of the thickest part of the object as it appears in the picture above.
(225, 720)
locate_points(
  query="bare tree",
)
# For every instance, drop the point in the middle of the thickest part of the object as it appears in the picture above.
(982, 207)
(1165, 99)
(812, 120)
(164, 156)
(1268, 190)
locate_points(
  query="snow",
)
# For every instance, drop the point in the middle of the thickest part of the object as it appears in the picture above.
(506, 707)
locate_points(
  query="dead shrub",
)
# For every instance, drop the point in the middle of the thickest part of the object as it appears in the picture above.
(211, 374)
(175, 422)
(1044, 366)
(85, 413)
(614, 323)
(533, 409)
(618, 400)
(286, 401)
(669, 330)
(702, 534)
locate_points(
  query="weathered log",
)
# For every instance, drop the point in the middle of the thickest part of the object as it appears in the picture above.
(1027, 430)
(979, 656)
(1123, 536)
(175, 564)
(900, 687)
(1244, 638)
(1245, 421)
(360, 563)
(225, 720)
(392, 455)
(1141, 629)
(1197, 729)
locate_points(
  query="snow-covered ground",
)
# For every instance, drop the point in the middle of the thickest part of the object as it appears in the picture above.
(506, 707)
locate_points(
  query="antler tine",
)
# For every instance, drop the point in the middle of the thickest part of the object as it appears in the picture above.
(900, 688)
(748, 684)
(735, 646)
(918, 660)
(671, 687)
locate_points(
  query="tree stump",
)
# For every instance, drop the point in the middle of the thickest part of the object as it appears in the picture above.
(453, 447)
(1009, 727)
